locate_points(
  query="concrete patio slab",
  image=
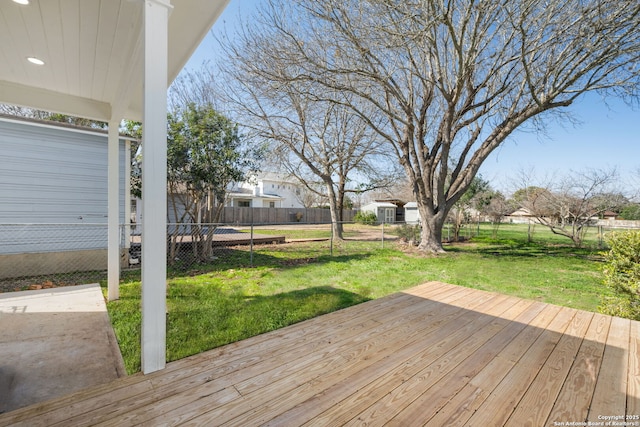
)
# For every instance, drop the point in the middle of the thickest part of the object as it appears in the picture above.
(54, 342)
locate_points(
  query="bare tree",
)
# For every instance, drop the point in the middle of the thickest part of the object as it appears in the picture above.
(194, 87)
(448, 81)
(14, 110)
(475, 198)
(314, 139)
(568, 207)
(497, 208)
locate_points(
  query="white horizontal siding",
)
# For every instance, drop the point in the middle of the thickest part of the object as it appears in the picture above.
(50, 175)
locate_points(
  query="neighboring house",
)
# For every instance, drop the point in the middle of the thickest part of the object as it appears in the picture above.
(266, 190)
(521, 216)
(53, 195)
(384, 211)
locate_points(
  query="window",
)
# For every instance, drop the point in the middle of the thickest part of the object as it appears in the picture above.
(272, 204)
(244, 203)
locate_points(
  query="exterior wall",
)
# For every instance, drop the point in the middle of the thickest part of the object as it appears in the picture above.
(54, 174)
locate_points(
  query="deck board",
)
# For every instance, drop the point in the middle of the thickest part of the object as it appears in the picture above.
(575, 397)
(610, 396)
(435, 354)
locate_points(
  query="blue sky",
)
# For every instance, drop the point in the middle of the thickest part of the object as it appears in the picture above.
(607, 135)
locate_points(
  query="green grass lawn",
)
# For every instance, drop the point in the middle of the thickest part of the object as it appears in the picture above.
(212, 305)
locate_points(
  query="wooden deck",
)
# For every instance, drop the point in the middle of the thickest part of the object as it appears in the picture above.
(433, 355)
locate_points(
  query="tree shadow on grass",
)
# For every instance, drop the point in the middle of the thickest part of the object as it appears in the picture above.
(242, 258)
(527, 250)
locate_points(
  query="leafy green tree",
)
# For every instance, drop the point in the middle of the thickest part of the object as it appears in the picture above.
(631, 212)
(76, 121)
(205, 154)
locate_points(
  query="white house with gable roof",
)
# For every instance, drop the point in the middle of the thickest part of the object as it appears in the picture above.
(266, 190)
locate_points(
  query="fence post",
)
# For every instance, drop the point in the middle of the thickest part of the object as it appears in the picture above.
(600, 237)
(382, 234)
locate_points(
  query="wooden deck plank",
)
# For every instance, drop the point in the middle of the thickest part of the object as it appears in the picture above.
(346, 409)
(503, 400)
(609, 397)
(462, 406)
(401, 343)
(218, 359)
(326, 353)
(537, 403)
(73, 405)
(430, 402)
(411, 389)
(576, 394)
(436, 354)
(321, 403)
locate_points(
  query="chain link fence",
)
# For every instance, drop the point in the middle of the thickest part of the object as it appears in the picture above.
(41, 256)
(37, 256)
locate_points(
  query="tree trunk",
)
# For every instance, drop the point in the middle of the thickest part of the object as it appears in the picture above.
(336, 225)
(431, 233)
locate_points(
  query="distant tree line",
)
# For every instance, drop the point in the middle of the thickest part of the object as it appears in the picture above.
(566, 204)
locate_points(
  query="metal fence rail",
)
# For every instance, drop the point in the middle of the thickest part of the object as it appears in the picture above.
(34, 256)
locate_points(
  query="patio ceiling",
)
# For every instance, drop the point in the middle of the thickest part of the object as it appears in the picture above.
(92, 53)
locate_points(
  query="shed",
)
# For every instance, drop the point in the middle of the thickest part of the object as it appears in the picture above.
(53, 197)
(384, 211)
(411, 213)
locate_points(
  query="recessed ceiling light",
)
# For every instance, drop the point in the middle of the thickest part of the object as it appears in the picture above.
(21, 1)
(35, 60)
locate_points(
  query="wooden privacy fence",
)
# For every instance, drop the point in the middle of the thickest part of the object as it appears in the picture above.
(237, 215)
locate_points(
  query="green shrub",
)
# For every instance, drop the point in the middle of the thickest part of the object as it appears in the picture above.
(622, 274)
(368, 218)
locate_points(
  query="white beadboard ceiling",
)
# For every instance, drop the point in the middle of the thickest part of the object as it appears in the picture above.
(92, 51)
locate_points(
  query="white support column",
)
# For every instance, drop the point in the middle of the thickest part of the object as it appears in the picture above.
(113, 212)
(154, 185)
(127, 195)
